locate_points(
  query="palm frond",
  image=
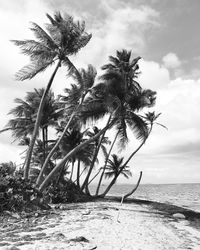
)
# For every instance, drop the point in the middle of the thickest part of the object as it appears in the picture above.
(69, 34)
(31, 70)
(137, 125)
(43, 37)
(126, 173)
(121, 128)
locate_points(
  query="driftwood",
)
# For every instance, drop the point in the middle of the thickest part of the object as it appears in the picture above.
(135, 188)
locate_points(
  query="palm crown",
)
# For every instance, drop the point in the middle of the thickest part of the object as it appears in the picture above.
(116, 167)
(63, 38)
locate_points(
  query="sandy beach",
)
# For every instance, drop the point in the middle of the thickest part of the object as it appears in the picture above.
(99, 225)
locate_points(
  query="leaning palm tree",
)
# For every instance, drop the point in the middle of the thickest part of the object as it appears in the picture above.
(114, 168)
(72, 103)
(63, 38)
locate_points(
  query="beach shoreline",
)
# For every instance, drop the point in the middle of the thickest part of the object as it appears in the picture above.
(104, 224)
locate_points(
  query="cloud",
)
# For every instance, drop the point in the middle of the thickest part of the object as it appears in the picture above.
(171, 61)
(123, 27)
(153, 75)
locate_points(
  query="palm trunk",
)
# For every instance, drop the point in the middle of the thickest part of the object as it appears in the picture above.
(130, 157)
(37, 123)
(46, 138)
(39, 179)
(109, 187)
(135, 188)
(72, 169)
(60, 174)
(94, 176)
(134, 152)
(44, 144)
(78, 173)
(104, 168)
(79, 176)
(85, 184)
(70, 154)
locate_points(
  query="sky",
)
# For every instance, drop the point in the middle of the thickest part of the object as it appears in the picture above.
(164, 33)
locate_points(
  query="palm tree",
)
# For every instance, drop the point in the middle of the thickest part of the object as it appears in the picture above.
(99, 144)
(63, 38)
(73, 102)
(72, 138)
(126, 67)
(22, 125)
(150, 119)
(114, 168)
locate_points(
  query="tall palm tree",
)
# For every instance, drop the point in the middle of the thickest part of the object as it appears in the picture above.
(126, 67)
(114, 168)
(63, 38)
(72, 103)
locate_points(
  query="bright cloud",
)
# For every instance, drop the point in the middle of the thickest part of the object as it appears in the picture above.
(171, 61)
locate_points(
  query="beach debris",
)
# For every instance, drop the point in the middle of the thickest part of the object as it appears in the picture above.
(179, 216)
(95, 247)
(12, 248)
(62, 207)
(80, 239)
(119, 209)
(59, 236)
(87, 212)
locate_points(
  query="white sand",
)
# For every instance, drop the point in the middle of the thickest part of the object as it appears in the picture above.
(108, 225)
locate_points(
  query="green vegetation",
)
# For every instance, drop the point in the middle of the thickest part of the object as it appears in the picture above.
(63, 166)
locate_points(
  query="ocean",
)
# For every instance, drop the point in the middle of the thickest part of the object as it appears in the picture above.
(184, 195)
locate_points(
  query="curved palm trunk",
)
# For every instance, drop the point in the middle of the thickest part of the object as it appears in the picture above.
(39, 179)
(37, 123)
(109, 187)
(124, 165)
(85, 184)
(104, 168)
(44, 146)
(135, 188)
(134, 152)
(70, 154)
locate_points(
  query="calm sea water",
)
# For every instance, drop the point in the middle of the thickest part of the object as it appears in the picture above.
(184, 195)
